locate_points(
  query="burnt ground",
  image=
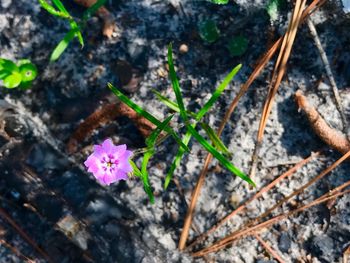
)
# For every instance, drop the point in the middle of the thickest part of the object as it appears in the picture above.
(48, 193)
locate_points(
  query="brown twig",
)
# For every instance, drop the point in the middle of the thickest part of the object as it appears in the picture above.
(330, 76)
(109, 25)
(248, 231)
(260, 66)
(243, 206)
(30, 241)
(346, 255)
(277, 75)
(269, 249)
(16, 252)
(332, 137)
(101, 116)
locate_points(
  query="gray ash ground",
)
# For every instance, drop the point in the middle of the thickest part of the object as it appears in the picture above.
(64, 210)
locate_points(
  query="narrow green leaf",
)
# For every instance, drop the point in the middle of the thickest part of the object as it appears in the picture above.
(92, 9)
(198, 117)
(151, 140)
(176, 85)
(136, 171)
(171, 104)
(219, 156)
(145, 114)
(74, 26)
(62, 45)
(218, 92)
(50, 9)
(217, 142)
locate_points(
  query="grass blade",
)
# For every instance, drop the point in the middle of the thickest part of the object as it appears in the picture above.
(50, 9)
(171, 104)
(145, 114)
(62, 45)
(218, 92)
(219, 156)
(217, 142)
(176, 85)
(150, 141)
(200, 114)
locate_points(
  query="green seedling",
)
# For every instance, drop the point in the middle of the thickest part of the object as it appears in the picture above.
(57, 9)
(237, 46)
(208, 31)
(19, 75)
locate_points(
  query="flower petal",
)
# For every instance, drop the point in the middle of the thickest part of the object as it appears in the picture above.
(107, 146)
(124, 164)
(92, 163)
(121, 175)
(118, 150)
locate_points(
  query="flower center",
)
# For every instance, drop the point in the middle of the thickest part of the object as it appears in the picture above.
(109, 163)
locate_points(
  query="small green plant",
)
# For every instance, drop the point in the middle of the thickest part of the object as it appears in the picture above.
(189, 120)
(58, 10)
(219, 2)
(208, 31)
(273, 8)
(20, 75)
(237, 46)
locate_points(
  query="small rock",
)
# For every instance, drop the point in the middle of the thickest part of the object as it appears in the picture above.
(183, 49)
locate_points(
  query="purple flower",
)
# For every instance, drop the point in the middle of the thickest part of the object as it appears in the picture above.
(109, 163)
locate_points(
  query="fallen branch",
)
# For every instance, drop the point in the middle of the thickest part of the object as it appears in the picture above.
(330, 136)
(107, 113)
(243, 206)
(269, 249)
(251, 230)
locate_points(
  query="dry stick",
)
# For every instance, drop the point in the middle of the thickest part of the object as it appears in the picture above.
(243, 206)
(228, 240)
(261, 64)
(301, 189)
(107, 113)
(327, 66)
(332, 137)
(346, 255)
(269, 249)
(277, 75)
(16, 251)
(24, 235)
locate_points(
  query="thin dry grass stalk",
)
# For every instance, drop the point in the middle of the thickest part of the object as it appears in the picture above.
(243, 206)
(101, 116)
(332, 137)
(258, 227)
(330, 76)
(260, 66)
(277, 75)
(30, 241)
(269, 249)
(16, 252)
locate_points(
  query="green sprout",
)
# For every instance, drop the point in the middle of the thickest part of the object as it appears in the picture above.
(189, 120)
(19, 75)
(58, 10)
(208, 31)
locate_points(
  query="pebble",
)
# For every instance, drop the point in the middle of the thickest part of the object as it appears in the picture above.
(183, 49)
(284, 243)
